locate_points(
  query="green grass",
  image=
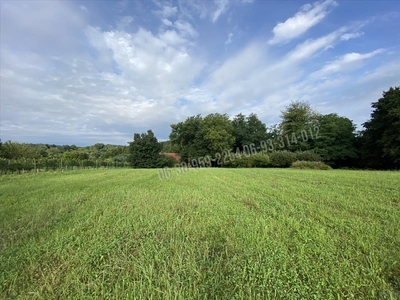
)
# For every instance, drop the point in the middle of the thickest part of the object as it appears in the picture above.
(206, 234)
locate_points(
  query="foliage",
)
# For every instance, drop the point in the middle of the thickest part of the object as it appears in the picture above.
(14, 150)
(258, 160)
(336, 143)
(76, 155)
(145, 151)
(331, 137)
(296, 117)
(315, 165)
(308, 156)
(187, 137)
(168, 147)
(165, 161)
(198, 137)
(247, 130)
(282, 159)
(381, 138)
(217, 133)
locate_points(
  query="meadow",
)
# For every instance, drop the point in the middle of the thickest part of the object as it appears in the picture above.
(207, 234)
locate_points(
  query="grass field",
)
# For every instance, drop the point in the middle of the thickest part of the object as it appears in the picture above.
(206, 234)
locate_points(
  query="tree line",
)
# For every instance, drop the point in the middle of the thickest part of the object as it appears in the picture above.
(303, 133)
(242, 141)
(23, 156)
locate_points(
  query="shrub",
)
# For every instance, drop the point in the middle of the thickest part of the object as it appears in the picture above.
(242, 162)
(282, 159)
(315, 165)
(258, 160)
(165, 161)
(307, 156)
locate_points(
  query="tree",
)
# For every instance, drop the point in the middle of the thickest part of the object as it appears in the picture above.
(187, 136)
(54, 152)
(296, 117)
(14, 150)
(197, 137)
(75, 155)
(248, 130)
(336, 142)
(239, 130)
(217, 133)
(168, 147)
(381, 136)
(145, 151)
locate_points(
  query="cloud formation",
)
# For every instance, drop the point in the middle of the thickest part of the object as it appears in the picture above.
(294, 27)
(104, 81)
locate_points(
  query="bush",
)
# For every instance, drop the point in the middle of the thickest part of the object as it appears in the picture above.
(258, 160)
(165, 161)
(315, 165)
(307, 156)
(282, 159)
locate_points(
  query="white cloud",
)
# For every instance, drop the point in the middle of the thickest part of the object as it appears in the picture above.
(387, 74)
(123, 22)
(221, 8)
(208, 9)
(294, 27)
(348, 36)
(229, 40)
(39, 23)
(311, 46)
(345, 62)
(124, 81)
(186, 29)
(167, 11)
(167, 22)
(171, 37)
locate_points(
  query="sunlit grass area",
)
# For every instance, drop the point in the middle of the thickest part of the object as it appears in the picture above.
(207, 234)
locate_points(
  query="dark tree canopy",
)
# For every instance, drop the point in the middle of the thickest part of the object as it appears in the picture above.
(144, 151)
(14, 150)
(187, 136)
(336, 143)
(296, 117)
(247, 130)
(381, 136)
(217, 133)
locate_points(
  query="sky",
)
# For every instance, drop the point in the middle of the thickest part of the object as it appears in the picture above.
(86, 72)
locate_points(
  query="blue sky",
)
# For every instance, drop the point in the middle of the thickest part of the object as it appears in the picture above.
(85, 72)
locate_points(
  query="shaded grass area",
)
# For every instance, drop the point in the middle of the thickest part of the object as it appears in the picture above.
(206, 234)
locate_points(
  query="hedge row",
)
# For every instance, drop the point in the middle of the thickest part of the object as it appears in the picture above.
(11, 165)
(314, 165)
(279, 159)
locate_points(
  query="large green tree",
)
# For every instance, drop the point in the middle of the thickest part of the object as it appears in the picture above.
(14, 150)
(187, 138)
(247, 130)
(381, 134)
(297, 117)
(336, 140)
(198, 136)
(217, 133)
(145, 151)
